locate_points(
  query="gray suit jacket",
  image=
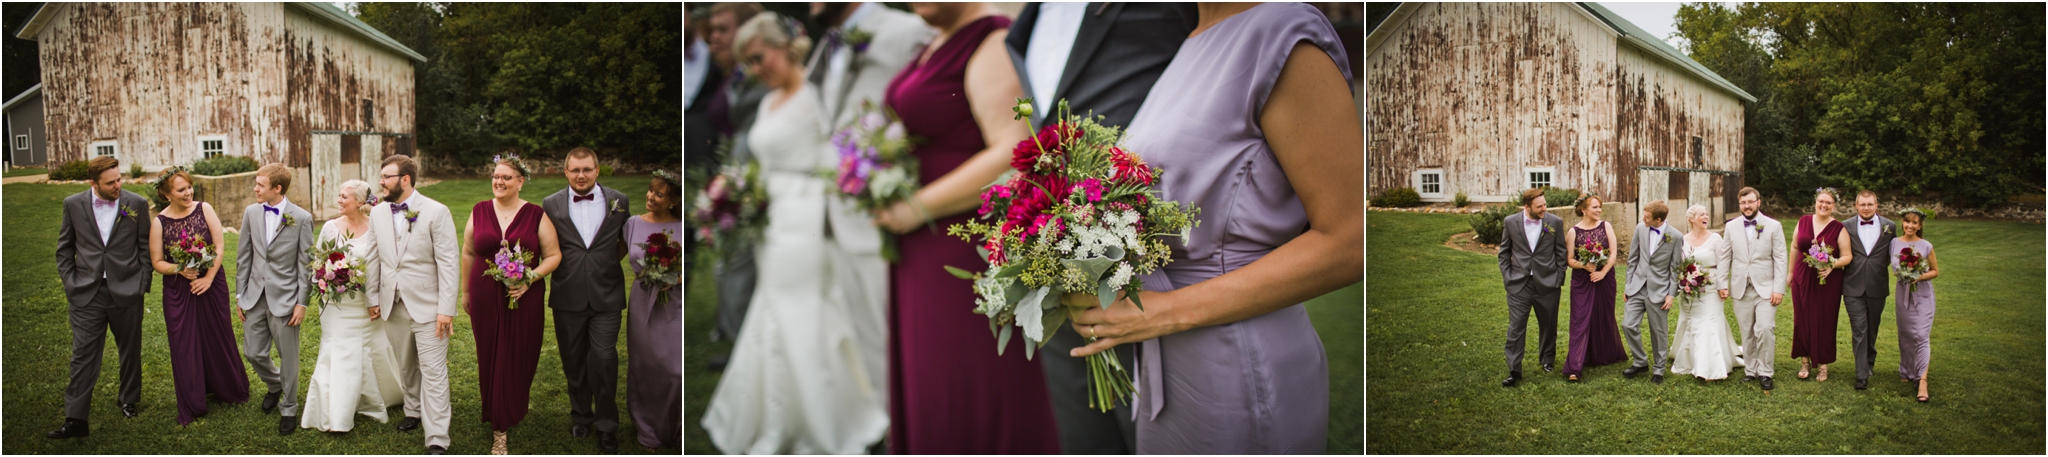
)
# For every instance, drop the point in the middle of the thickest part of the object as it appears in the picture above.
(123, 259)
(274, 267)
(422, 267)
(1755, 259)
(590, 277)
(1650, 272)
(1869, 273)
(1543, 262)
(898, 38)
(1110, 81)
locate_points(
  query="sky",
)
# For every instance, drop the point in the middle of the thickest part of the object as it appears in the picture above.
(1655, 18)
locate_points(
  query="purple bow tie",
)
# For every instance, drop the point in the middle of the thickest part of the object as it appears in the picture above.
(1865, 222)
(1656, 232)
(1749, 223)
(270, 209)
(96, 202)
(398, 208)
(585, 197)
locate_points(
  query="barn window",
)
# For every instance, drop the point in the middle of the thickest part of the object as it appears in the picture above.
(1698, 153)
(212, 146)
(21, 142)
(106, 149)
(1540, 177)
(1430, 183)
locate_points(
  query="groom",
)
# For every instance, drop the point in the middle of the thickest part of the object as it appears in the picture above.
(416, 237)
(1756, 243)
(1532, 263)
(270, 270)
(1653, 251)
(587, 292)
(103, 261)
(1868, 281)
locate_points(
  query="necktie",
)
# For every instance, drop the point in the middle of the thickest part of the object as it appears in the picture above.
(584, 197)
(270, 209)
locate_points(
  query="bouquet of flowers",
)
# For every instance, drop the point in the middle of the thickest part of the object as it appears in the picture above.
(192, 251)
(875, 168)
(733, 209)
(511, 268)
(1912, 264)
(335, 273)
(1692, 280)
(1821, 256)
(1079, 214)
(1592, 253)
(662, 267)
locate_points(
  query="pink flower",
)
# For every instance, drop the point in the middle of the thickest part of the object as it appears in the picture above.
(1094, 188)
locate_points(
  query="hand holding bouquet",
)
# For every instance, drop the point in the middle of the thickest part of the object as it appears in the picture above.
(1692, 280)
(1912, 264)
(661, 266)
(1079, 214)
(1593, 253)
(733, 209)
(875, 168)
(336, 274)
(511, 268)
(1821, 257)
(191, 252)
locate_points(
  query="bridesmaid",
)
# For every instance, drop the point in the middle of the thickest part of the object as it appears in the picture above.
(1815, 306)
(204, 358)
(1253, 124)
(1915, 300)
(654, 331)
(507, 340)
(1595, 340)
(949, 393)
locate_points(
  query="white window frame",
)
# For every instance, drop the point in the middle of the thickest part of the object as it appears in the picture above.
(21, 142)
(223, 139)
(93, 150)
(1529, 179)
(1417, 179)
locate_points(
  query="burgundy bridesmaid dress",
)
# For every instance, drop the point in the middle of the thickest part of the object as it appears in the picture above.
(204, 356)
(507, 340)
(1815, 307)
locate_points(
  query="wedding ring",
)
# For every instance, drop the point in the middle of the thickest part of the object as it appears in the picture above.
(1091, 331)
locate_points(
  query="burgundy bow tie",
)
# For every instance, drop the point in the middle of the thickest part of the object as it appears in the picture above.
(584, 197)
(1865, 222)
(270, 209)
(99, 203)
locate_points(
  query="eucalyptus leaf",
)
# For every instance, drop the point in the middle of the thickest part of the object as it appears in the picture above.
(1105, 294)
(959, 273)
(1003, 340)
(1091, 268)
(1053, 320)
(1012, 294)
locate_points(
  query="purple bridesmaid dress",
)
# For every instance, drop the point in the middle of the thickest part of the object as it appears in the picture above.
(1595, 339)
(204, 356)
(1260, 385)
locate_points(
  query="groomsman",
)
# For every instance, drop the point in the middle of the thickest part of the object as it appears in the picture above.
(587, 293)
(103, 261)
(1533, 250)
(420, 268)
(1756, 243)
(1868, 282)
(1653, 252)
(270, 270)
(1100, 57)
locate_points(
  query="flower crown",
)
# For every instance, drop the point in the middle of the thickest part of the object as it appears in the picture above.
(156, 194)
(1924, 216)
(1829, 190)
(670, 177)
(512, 160)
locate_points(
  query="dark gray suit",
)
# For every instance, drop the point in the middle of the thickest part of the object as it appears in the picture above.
(104, 282)
(1865, 286)
(586, 292)
(1532, 274)
(1119, 51)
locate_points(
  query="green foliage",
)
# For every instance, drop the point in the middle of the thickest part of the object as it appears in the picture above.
(1486, 224)
(75, 170)
(223, 165)
(1461, 200)
(134, 170)
(1399, 197)
(1558, 197)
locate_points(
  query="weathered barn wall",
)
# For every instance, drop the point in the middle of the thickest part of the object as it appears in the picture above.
(328, 73)
(1660, 108)
(1482, 90)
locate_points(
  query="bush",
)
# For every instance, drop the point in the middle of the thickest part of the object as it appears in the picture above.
(223, 165)
(1555, 197)
(604, 169)
(71, 171)
(1399, 197)
(1486, 224)
(1461, 200)
(134, 171)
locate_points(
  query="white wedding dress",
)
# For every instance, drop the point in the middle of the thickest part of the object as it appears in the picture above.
(1703, 346)
(799, 379)
(355, 373)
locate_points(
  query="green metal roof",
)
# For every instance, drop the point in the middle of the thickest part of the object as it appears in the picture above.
(1630, 33)
(328, 11)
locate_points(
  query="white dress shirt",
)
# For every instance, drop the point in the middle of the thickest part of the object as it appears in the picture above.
(696, 66)
(588, 214)
(398, 219)
(1531, 228)
(270, 220)
(837, 64)
(1868, 232)
(1657, 238)
(1052, 40)
(104, 216)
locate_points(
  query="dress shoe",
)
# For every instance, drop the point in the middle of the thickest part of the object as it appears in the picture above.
(409, 424)
(1633, 371)
(270, 401)
(1765, 380)
(1547, 368)
(1656, 379)
(580, 431)
(73, 428)
(130, 410)
(607, 442)
(1749, 379)
(287, 424)
(436, 450)
(1513, 377)
(1862, 383)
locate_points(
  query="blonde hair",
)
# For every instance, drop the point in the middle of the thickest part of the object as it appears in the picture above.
(362, 191)
(775, 31)
(1696, 210)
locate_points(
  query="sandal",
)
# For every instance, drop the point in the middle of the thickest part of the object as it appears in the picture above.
(1803, 365)
(1823, 376)
(1572, 378)
(498, 443)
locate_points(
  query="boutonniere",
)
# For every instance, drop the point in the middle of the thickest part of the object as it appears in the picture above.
(1547, 229)
(412, 216)
(289, 221)
(1667, 237)
(858, 40)
(616, 207)
(127, 213)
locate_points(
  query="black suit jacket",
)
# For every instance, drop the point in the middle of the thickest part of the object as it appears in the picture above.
(1110, 79)
(589, 278)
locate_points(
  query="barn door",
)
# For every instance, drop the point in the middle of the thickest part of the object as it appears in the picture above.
(323, 170)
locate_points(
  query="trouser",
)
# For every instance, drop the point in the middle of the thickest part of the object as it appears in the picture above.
(261, 330)
(422, 360)
(1758, 320)
(736, 276)
(1083, 430)
(1864, 315)
(589, 344)
(1545, 303)
(89, 327)
(1637, 308)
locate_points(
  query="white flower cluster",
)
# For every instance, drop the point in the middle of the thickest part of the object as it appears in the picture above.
(889, 181)
(992, 291)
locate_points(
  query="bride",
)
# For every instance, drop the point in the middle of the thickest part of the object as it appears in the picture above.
(799, 381)
(355, 373)
(1703, 347)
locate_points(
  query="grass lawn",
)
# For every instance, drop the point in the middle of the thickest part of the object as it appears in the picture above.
(38, 346)
(13, 172)
(1337, 318)
(1437, 320)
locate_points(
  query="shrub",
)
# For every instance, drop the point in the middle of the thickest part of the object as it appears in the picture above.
(71, 171)
(223, 165)
(134, 171)
(1556, 197)
(1399, 197)
(1486, 224)
(604, 169)
(1461, 200)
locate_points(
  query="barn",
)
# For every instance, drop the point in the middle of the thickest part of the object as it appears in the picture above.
(162, 84)
(1489, 99)
(24, 122)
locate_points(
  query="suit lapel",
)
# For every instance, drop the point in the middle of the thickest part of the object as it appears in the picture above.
(575, 235)
(380, 225)
(1093, 28)
(92, 221)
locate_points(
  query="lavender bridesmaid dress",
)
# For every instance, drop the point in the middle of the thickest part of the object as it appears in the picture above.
(1260, 385)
